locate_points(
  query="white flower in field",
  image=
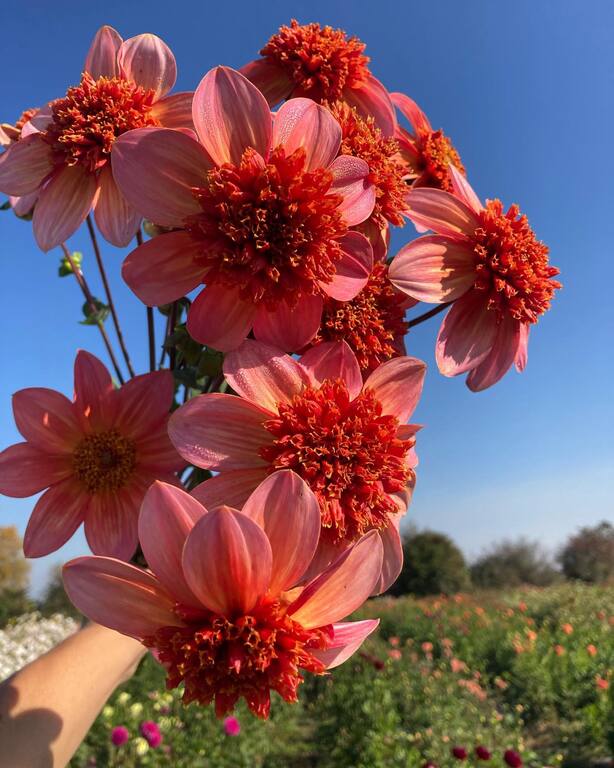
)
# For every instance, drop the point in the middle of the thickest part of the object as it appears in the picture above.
(136, 709)
(141, 746)
(107, 712)
(29, 636)
(123, 698)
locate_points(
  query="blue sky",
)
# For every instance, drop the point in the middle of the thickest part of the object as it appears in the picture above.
(525, 91)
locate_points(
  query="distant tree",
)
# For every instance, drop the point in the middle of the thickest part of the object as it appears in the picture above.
(14, 576)
(512, 563)
(589, 554)
(432, 565)
(55, 599)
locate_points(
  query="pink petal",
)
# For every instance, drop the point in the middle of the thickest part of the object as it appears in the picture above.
(219, 432)
(285, 507)
(24, 205)
(143, 403)
(466, 336)
(227, 562)
(264, 375)
(47, 419)
(347, 639)
(175, 111)
(168, 514)
(343, 586)
(333, 360)
(39, 122)
(24, 470)
(500, 358)
(463, 190)
(353, 269)
(220, 319)
(119, 596)
(24, 166)
(351, 181)
(63, 205)
(522, 356)
(397, 384)
(157, 454)
(101, 58)
(230, 114)
(288, 328)
(93, 383)
(393, 555)
(149, 62)
(442, 212)
(156, 170)
(116, 219)
(417, 119)
(271, 80)
(165, 268)
(231, 488)
(373, 100)
(434, 269)
(56, 516)
(111, 522)
(301, 123)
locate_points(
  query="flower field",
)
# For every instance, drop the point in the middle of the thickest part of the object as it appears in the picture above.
(502, 679)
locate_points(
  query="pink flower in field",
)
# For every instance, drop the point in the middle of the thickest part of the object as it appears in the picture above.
(456, 665)
(491, 265)
(262, 210)
(150, 731)
(591, 649)
(602, 683)
(512, 758)
(427, 647)
(349, 441)
(66, 157)
(559, 650)
(96, 455)
(394, 641)
(323, 64)
(567, 628)
(120, 735)
(232, 727)
(221, 608)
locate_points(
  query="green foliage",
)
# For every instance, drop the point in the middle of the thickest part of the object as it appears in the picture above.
(432, 565)
(589, 554)
(14, 576)
(511, 564)
(55, 599)
(65, 267)
(96, 315)
(13, 603)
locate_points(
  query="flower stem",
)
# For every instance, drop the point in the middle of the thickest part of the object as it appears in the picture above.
(107, 289)
(151, 331)
(427, 315)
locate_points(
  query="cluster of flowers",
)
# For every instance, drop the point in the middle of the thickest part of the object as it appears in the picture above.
(483, 754)
(26, 638)
(284, 217)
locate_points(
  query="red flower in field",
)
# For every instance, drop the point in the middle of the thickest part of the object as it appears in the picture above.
(602, 683)
(567, 629)
(482, 753)
(491, 265)
(96, 455)
(119, 735)
(347, 439)
(220, 607)
(460, 753)
(323, 64)
(512, 758)
(66, 158)
(262, 211)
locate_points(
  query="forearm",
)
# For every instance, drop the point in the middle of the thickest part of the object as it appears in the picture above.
(47, 708)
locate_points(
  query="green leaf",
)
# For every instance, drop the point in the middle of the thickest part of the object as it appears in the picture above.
(210, 363)
(97, 315)
(6, 206)
(65, 269)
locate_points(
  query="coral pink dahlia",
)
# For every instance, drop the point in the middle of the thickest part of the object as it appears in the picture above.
(11, 133)
(221, 608)
(96, 455)
(262, 212)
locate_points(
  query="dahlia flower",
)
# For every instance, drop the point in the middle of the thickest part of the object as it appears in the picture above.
(348, 441)
(220, 608)
(96, 455)
(491, 265)
(322, 64)
(10, 133)
(65, 159)
(261, 212)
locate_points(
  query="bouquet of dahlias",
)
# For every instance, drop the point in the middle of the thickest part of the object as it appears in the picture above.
(244, 496)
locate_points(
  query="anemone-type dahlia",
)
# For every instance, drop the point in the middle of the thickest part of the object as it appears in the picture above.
(427, 154)
(96, 455)
(263, 211)
(65, 159)
(491, 265)
(322, 64)
(349, 441)
(11, 133)
(226, 607)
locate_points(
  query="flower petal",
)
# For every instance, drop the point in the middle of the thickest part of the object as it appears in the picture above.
(286, 508)
(230, 114)
(24, 166)
(119, 596)
(434, 269)
(93, 383)
(149, 62)
(101, 60)
(392, 562)
(47, 419)
(466, 336)
(288, 328)
(264, 375)
(219, 432)
(231, 488)
(271, 80)
(333, 360)
(351, 181)
(397, 384)
(442, 212)
(373, 100)
(219, 318)
(156, 453)
(227, 561)
(417, 119)
(63, 205)
(116, 219)
(348, 636)
(353, 269)
(301, 123)
(24, 205)
(500, 358)
(111, 522)
(343, 586)
(463, 190)
(175, 111)
(24, 470)
(56, 516)
(142, 404)
(156, 169)
(522, 355)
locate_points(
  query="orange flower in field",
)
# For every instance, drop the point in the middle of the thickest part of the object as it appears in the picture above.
(395, 654)
(567, 628)
(591, 649)
(531, 635)
(522, 606)
(457, 666)
(602, 683)
(427, 647)
(559, 650)
(394, 641)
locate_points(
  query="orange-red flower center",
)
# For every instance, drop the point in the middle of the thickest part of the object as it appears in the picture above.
(372, 323)
(269, 229)
(223, 659)
(512, 264)
(104, 461)
(321, 61)
(347, 451)
(93, 114)
(435, 154)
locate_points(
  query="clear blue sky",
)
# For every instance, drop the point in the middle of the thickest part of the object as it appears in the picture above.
(525, 90)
